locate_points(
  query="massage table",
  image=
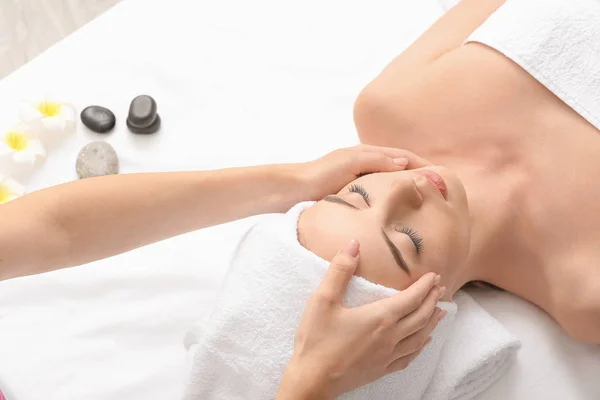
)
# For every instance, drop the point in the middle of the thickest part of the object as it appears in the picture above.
(237, 83)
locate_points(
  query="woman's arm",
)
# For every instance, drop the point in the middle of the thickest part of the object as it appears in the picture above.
(448, 33)
(386, 110)
(87, 220)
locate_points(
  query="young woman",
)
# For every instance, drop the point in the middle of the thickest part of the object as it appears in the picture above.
(516, 201)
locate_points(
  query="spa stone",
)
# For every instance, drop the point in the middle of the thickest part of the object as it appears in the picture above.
(147, 130)
(142, 112)
(97, 159)
(98, 119)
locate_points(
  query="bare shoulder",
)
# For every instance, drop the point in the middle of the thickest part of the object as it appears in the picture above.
(577, 297)
(581, 318)
(472, 88)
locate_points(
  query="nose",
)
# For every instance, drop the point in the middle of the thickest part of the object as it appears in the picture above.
(404, 194)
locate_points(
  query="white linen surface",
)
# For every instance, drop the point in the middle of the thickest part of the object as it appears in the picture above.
(236, 83)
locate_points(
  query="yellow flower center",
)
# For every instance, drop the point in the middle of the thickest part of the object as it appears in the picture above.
(4, 194)
(16, 140)
(49, 109)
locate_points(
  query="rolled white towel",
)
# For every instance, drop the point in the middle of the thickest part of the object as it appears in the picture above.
(477, 352)
(242, 350)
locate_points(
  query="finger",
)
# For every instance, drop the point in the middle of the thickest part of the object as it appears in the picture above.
(410, 344)
(419, 318)
(340, 272)
(402, 363)
(414, 161)
(407, 301)
(375, 162)
(391, 152)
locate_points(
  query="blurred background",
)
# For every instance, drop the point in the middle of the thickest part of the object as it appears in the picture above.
(28, 27)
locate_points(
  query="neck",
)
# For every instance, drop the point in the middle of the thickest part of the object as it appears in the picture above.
(495, 225)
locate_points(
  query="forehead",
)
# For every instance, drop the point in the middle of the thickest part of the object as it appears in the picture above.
(326, 228)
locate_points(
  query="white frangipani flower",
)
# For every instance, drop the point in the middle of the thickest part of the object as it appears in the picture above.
(48, 118)
(21, 145)
(9, 189)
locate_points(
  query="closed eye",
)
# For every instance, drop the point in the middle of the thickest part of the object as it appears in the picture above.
(356, 188)
(414, 237)
(393, 248)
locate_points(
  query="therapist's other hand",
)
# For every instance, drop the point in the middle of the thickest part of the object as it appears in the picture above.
(338, 349)
(330, 173)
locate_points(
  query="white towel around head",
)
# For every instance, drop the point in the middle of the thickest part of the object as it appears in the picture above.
(243, 348)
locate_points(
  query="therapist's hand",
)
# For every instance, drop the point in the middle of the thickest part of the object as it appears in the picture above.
(330, 173)
(338, 349)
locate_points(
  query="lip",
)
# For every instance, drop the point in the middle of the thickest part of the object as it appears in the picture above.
(436, 181)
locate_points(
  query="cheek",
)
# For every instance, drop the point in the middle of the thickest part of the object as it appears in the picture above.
(446, 243)
(459, 241)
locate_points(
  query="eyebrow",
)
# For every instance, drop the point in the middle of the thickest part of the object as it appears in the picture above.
(396, 253)
(339, 200)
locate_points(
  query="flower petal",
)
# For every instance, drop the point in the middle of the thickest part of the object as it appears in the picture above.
(28, 113)
(36, 147)
(5, 149)
(53, 125)
(69, 127)
(14, 187)
(33, 127)
(26, 130)
(24, 156)
(68, 112)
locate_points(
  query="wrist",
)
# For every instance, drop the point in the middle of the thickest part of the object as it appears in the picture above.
(305, 180)
(295, 182)
(300, 383)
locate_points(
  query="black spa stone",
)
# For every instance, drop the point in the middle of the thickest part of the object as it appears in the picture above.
(98, 119)
(155, 126)
(142, 111)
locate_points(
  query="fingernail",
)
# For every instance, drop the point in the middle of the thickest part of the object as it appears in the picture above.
(427, 341)
(442, 291)
(442, 315)
(351, 248)
(437, 279)
(401, 161)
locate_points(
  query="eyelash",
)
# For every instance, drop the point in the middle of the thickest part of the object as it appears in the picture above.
(414, 236)
(410, 232)
(355, 188)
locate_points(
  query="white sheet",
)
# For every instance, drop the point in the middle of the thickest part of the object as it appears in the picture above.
(237, 83)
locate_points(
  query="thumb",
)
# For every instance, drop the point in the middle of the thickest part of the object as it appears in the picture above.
(376, 162)
(340, 272)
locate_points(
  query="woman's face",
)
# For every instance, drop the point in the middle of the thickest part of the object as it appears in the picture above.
(408, 223)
